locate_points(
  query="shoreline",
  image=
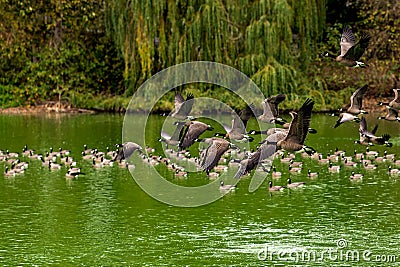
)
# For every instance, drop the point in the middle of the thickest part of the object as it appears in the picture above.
(53, 107)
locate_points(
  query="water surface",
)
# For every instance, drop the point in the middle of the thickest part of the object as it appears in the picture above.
(104, 218)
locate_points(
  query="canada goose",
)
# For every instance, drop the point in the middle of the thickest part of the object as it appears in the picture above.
(333, 168)
(356, 176)
(122, 163)
(350, 51)
(87, 150)
(275, 188)
(33, 155)
(63, 151)
(294, 140)
(182, 107)
(275, 174)
(312, 174)
(54, 166)
(345, 117)
(221, 168)
(295, 163)
(106, 162)
(368, 166)
(96, 164)
(8, 172)
(389, 156)
(27, 152)
(20, 164)
(180, 173)
(391, 115)
(192, 131)
(371, 153)
(237, 132)
(285, 129)
(356, 101)
(271, 110)
(127, 150)
(73, 173)
(110, 153)
(213, 175)
(294, 185)
(267, 149)
(287, 126)
(174, 139)
(395, 103)
(226, 187)
(294, 169)
(333, 158)
(217, 147)
(246, 114)
(87, 157)
(11, 154)
(368, 138)
(393, 171)
(348, 163)
(17, 168)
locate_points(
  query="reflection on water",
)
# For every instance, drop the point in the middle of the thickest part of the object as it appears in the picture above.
(104, 218)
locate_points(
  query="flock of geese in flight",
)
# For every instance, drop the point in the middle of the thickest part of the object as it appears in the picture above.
(222, 150)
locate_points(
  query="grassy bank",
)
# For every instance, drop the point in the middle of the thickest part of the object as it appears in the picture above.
(327, 100)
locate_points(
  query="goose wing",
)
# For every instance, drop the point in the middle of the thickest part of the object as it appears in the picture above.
(273, 103)
(392, 112)
(214, 153)
(238, 125)
(356, 51)
(268, 148)
(267, 111)
(182, 107)
(357, 96)
(178, 101)
(300, 123)
(187, 106)
(374, 129)
(177, 135)
(363, 126)
(396, 99)
(246, 113)
(347, 40)
(193, 130)
(248, 164)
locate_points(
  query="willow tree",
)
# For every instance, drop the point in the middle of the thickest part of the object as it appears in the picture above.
(271, 41)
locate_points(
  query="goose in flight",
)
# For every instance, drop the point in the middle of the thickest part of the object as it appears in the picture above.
(236, 132)
(176, 136)
(191, 132)
(266, 150)
(345, 117)
(395, 103)
(127, 150)
(369, 137)
(294, 140)
(210, 158)
(182, 107)
(350, 51)
(271, 110)
(391, 115)
(356, 101)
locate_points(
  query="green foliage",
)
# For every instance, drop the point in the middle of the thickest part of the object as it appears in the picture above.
(270, 41)
(52, 47)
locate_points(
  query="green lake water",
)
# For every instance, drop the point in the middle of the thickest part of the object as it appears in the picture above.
(105, 218)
